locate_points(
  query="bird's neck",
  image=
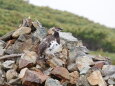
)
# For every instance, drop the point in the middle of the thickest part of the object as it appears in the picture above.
(56, 34)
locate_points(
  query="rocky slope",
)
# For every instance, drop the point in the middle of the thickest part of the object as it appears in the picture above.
(61, 64)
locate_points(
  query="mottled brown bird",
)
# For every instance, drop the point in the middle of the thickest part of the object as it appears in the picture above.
(45, 43)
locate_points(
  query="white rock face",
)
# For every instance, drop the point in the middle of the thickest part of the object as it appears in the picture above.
(2, 51)
(67, 36)
(8, 64)
(52, 82)
(22, 73)
(2, 43)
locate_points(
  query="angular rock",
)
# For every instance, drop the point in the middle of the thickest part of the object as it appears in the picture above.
(36, 24)
(111, 81)
(27, 22)
(22, 38)
(48, 71)
(30, 77)
(22, 73)
(20, 31)
(7, 36)
(109, 71)
(32, 42)
(16, 81)
(27, 45)
(85, 70)
(82, 48)
(74, 76)
(11, 74)
(100, 58)
(8, 64)
(42, 64)
(54, 62)
(61, 73)
(99, 64)
(96, 78)
(40, 33)
(83, 64)
(77, 51)
(2, 44)
(27, 59)
(52, 82)
(15, 48)
(22, 44)
(67, 36)
(72, 67)
(82, 81)
(2, 51)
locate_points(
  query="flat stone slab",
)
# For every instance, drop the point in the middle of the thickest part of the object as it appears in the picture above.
(68, 36)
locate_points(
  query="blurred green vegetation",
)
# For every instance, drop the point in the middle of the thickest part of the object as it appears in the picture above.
(94, 35)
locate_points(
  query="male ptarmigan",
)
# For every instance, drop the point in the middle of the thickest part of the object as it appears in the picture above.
(53, 36)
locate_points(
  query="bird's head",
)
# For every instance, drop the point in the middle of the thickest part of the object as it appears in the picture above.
(51, 31)
(57, 29)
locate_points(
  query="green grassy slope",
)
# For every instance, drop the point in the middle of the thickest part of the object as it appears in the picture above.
(94, 35)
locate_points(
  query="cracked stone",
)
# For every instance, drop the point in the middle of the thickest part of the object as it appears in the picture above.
(27, 59)
(61, 72)
(83, 63)
(31, 77)
(95, 78)
(20, 31)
